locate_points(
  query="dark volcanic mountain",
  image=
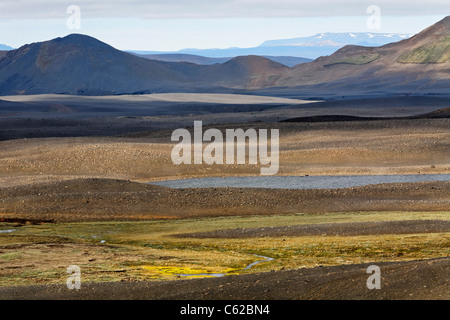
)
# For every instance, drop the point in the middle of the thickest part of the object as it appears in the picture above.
(245, 72)
(417, 64)
(79, 64)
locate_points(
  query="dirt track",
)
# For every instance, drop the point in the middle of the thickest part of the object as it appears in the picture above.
(427, 279)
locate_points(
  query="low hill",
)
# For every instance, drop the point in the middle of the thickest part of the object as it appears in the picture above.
(202, 60)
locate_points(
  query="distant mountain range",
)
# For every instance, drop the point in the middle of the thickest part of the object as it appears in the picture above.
(5, 47)
(289, 52)
(79, 64)
(192, 58)
(339, 40)
(321, 44)
(311, 52)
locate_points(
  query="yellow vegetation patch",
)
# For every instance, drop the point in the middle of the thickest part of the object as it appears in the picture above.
(183, 271)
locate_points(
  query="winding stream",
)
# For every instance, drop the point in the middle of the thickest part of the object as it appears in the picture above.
(7, 231)
(265, 259)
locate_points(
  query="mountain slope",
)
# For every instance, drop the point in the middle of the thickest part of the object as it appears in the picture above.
(420, 63)
(432, 45)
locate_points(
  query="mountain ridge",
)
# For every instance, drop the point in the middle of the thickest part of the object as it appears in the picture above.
(309, 47)
(79, 64)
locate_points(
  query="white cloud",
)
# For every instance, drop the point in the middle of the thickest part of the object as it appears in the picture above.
(161, 9)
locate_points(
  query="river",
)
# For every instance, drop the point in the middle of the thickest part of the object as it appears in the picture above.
(299, 182)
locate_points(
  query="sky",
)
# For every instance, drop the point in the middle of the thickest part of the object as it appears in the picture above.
(170, 25)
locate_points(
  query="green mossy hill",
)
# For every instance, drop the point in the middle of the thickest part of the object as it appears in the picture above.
(436, 52)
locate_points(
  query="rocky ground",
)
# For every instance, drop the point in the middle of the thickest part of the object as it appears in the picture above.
(102, 199)
(326, 148)
(92, 169)
(425, 279)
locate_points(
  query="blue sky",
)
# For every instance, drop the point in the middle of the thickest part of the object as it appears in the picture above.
(177, 24)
